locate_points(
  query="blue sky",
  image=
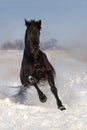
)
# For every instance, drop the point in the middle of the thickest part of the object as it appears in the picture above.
(64, 20)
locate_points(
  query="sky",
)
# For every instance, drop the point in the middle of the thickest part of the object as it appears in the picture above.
(63, 20)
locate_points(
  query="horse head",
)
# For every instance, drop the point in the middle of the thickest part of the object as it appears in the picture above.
(32, 37)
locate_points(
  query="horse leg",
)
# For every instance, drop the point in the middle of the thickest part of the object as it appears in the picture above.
(54, 91)
(42, 96)
(29, 80)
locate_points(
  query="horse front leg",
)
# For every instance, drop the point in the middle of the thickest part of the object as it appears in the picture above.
(54, 90)
(42, 96)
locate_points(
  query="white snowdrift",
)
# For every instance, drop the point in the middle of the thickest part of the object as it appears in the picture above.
(25, 112)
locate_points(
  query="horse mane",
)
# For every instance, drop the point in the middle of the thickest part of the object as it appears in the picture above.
(32, 21)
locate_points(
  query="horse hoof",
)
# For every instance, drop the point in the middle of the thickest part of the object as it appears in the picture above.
(43, 99)
(62, 108)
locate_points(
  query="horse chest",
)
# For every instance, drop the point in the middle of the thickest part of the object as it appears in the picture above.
(39, 71)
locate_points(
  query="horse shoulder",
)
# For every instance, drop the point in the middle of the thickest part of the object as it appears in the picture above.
(47, 64)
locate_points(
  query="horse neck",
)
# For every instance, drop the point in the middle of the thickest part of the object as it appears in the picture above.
(26, 43)
(27, 50)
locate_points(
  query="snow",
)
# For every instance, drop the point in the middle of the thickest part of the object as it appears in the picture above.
(24, 111)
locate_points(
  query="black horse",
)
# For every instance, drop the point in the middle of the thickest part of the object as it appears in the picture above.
(35, 65)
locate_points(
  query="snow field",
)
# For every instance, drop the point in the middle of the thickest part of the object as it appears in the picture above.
(25, 112)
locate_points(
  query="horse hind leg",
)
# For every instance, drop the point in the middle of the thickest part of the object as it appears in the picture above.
(42, 96)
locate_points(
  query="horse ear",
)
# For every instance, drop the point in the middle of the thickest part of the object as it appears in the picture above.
(26, 22)
(39, 24)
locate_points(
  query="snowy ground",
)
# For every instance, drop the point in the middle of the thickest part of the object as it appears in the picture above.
(25, 112)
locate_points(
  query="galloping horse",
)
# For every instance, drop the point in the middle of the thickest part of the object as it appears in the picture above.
(35, 65)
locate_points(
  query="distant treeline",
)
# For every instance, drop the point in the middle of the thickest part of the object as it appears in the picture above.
(16, 45)
(19, 45)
